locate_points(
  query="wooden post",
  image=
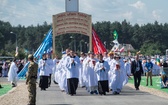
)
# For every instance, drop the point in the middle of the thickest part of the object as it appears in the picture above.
(90, 37)
(53, 39)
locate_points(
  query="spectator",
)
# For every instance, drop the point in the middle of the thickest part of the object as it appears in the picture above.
(20, 66)
(164, 81)
(5, 69)
(148, 69)
(1, 86)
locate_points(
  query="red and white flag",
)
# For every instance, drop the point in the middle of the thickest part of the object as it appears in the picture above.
(116, 50)
(98, 46)
(122, 49)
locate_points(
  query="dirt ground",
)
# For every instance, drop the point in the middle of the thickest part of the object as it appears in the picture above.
(16, 96)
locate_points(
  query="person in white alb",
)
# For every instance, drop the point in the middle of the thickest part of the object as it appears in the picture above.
(127, 71)
(72, 64)
(102, 68)
(81, 73)
(91, 75)
(61, 67)
(12, 74)
(116, 79)
(105, 56)
(50, 64)
(55, 70)
(110, 73)
(44, 74)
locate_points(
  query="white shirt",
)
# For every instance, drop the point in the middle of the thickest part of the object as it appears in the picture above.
(44, 67)
(102, 74)
(72, 68)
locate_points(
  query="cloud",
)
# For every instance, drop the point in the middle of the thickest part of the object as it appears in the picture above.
(138, 5)
(28, 12)
(4, 2)
(155, 14)
(127, 15)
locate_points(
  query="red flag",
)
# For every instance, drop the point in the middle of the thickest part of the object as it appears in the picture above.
(98, 46)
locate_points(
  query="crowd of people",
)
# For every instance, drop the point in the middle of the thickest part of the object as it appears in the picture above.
(98, 73)
(107, 71)
(11, 70)
(6, 65)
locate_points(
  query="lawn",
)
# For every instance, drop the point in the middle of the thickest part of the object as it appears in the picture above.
(156, 83)
(5, 89)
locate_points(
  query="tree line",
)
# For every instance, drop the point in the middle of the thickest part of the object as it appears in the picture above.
(150, 38)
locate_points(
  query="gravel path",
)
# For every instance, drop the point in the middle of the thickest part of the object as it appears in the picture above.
(16, 96)
(19, 94)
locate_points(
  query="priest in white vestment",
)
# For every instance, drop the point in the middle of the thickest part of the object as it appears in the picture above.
(12, 74)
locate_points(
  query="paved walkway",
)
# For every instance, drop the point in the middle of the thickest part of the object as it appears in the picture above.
(128, 96)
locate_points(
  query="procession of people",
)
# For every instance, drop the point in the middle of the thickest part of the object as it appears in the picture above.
(97, 73)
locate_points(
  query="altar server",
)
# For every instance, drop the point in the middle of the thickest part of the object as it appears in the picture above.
(72, 64)
(91, 75)
(101, 68)
(44, 74)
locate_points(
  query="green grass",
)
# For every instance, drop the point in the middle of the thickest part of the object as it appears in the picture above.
(5, 89)
(156, 83)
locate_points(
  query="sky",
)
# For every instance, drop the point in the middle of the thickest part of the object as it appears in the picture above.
(33, 12)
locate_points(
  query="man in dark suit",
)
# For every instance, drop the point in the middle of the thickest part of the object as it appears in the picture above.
(136, 70)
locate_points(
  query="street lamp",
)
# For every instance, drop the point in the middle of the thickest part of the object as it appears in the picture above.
(16, 37)
(74, 42)
(81, 45)
(16, 43)
(86, 46)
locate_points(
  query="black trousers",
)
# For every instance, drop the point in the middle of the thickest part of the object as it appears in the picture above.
(43, 84)
(137, 79)
(103, 87)
(72, 85)
(49, 80)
